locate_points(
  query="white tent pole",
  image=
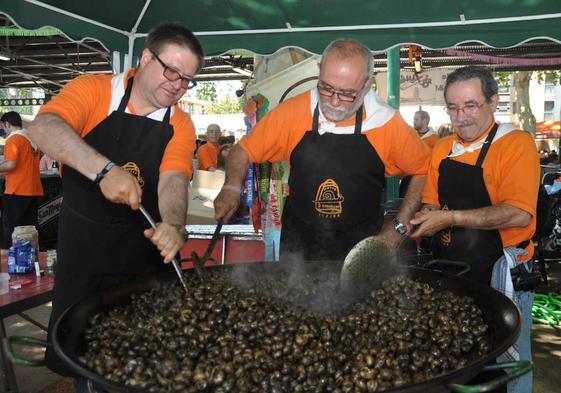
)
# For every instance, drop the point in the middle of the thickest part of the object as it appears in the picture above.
(116, 62)
(132, 35)
(76, 16)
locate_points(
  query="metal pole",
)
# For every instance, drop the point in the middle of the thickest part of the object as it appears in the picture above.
(392, 182)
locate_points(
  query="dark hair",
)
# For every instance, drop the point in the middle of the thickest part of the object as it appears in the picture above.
(424, 115)
(175, 33)
(489, 85)
(11, 117)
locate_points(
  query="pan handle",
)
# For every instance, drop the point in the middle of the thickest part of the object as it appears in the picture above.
(447, 262)
(520, 367)
(27, 341)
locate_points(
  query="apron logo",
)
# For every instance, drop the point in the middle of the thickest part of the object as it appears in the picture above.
(134, 170)
(329, 201)
(446, 234)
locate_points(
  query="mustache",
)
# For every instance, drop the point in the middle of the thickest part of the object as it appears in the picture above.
(465, 123)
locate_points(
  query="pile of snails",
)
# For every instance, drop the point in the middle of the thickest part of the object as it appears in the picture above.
(270, 334)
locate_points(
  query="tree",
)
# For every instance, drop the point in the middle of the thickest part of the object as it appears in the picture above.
(227, 105)
(521, 83)
(206, 91)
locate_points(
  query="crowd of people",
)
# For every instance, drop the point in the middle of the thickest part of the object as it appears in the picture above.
(125, 143)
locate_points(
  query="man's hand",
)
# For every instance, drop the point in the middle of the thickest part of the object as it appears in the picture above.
(226, 203)
(119, 186)
(168, 240)
(430, 221)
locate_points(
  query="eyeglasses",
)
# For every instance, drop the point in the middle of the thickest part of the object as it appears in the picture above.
(470, 108)
(172, 75)
(341, 95)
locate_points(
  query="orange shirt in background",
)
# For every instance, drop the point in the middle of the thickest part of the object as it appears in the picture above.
(431, 140)
(275, 136)
(511, 173)
(84, 102)
(25, 178)
(208, 156)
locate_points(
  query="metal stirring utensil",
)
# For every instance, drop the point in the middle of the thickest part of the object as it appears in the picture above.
(174, 261)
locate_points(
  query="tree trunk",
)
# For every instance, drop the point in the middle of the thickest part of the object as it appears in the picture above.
(521, 84)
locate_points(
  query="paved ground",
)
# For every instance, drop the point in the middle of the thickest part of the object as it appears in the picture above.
(546, 347)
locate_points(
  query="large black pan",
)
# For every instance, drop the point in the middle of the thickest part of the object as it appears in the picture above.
(500, 313)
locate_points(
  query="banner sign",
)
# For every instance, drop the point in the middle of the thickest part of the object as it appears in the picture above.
(425, 88)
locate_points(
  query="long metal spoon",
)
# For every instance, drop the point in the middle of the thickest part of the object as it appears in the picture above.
(174, 260)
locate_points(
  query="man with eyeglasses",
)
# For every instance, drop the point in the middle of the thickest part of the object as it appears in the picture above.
(341, 141)
(481, 196)
(122, 140)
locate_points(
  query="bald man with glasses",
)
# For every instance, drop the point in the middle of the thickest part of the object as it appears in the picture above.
(122, 140)
(341, 141)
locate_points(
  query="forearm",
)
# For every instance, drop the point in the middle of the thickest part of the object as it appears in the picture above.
(57, 139)
(491, 217)
(412, 201)
(6, 166)
(173, 197)
(236, 166)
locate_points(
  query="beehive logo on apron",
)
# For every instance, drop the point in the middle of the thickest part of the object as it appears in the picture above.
(446, 234)
(329, 201)
(134, 170)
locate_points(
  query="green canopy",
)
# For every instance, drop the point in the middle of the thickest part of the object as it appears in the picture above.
(264, 26)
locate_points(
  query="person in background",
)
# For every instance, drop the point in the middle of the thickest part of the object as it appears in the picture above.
(421, 122)
(208, 153)
(122, 140)
(23, 186)
(481, 196)
(341, 141)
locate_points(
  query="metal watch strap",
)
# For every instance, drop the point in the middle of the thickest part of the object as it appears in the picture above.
(100, 175)
(399, 227)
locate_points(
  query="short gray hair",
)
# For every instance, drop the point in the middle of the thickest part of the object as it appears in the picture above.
(348, 48)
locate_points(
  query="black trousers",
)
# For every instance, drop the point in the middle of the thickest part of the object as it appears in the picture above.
(17, 210)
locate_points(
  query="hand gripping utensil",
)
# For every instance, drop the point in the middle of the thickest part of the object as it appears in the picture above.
(174, 260)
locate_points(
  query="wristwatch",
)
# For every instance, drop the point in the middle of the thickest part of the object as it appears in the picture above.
(399, 227)
(97, 177)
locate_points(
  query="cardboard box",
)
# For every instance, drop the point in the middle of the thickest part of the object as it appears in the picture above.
(204, 189)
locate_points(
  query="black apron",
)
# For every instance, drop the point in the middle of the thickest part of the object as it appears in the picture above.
(101, 244)
(461, 187)
(336, 186)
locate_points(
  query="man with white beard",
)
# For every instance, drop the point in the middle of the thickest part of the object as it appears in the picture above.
(341, 141)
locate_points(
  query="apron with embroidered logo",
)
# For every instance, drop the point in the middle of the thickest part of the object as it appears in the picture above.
(336, 185)
(101, 244)
(462, 187)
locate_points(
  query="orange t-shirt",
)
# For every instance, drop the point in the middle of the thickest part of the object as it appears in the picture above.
(208, 156)
(511, 173)
(275, 136)
(25, 178)
(85, 101)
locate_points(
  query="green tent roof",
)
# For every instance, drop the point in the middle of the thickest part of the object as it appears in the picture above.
(264, 26)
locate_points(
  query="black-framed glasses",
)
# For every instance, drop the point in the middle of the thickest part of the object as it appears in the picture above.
(172, 75)
(470, 108)
(341, 95)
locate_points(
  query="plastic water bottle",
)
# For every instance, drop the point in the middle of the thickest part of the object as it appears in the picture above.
(12, 259)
